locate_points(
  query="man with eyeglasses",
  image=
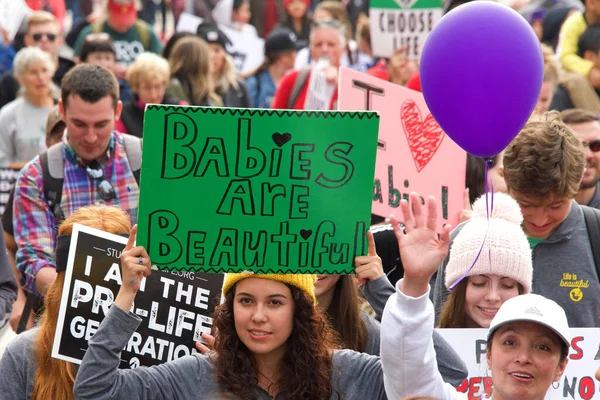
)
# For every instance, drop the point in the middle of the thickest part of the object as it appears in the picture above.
(43, 31)
(96, 165)
(586, 125)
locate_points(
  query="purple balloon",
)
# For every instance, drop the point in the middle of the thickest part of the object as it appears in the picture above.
(481, 75)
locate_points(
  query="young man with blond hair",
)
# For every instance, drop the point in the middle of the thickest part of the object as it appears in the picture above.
(43, 31)
(543, 167)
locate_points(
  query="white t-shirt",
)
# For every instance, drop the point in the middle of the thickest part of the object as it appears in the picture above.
(246, 29)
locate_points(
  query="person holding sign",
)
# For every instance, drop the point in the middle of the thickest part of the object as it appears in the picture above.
(528, 340)
(272, 342)
(339, 301)
(27, 371)
(502, 271)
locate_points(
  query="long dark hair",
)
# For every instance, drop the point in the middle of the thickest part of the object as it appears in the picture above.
(344, 315)
(307, 368)
(475, 176)
(454, 313)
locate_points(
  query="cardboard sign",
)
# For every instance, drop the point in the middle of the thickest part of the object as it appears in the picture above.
(188, 23)
(222, 12)
(8, 177)
(12, 14)
(577, 382)
(398, 23)
(247, 51)
(175, 307)
(413, 154)
(271, 191)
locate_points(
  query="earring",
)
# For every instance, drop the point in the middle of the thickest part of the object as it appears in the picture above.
(557, 384)
(487, 373)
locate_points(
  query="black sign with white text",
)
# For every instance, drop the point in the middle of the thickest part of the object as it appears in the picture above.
(175, 307)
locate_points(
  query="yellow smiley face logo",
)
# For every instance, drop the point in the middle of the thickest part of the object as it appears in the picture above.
(576, 294)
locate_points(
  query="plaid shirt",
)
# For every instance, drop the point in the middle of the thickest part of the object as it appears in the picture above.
(35, 224)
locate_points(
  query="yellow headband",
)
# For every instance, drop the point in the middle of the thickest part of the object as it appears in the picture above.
(304, 282)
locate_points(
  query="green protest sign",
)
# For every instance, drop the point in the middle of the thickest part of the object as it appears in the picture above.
(402, 23)
(270, 191)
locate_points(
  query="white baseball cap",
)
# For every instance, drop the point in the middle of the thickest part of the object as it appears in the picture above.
(534, 308)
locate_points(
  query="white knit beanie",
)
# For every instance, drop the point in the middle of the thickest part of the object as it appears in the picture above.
(505, 245)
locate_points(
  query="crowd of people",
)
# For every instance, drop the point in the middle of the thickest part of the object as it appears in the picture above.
(73, 95)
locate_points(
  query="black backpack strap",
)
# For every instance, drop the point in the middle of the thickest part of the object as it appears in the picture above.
(133, 149)
(53, 175)
(30, 303)
(592, 222)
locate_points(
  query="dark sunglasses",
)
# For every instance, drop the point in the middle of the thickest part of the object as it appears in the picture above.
(106, 191)
(594, 145)
(38, 36)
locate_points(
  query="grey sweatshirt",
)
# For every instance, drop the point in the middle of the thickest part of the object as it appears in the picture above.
(356, 375)
(452, 368)
(18, 366)
(563, 271)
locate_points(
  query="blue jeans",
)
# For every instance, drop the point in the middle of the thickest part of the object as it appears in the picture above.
(73, 5)
(148, 12)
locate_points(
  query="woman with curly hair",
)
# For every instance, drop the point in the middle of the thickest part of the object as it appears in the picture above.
(28, 369)
(272, 342)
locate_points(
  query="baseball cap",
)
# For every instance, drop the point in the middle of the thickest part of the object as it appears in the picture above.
(280, 39)
(53, 121)
(211, 33)
(122, 12)
(533, 308)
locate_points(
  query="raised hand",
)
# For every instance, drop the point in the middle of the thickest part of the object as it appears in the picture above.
(368, 267)
(422, 250)
(205, 348)
(135, 265)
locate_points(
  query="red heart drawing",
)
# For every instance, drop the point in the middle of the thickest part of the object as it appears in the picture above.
(424, 136)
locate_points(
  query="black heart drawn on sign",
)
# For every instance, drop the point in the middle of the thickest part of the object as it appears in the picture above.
(281, 138)
(305, 233)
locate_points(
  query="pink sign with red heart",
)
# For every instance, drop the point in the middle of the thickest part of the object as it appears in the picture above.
(414, 153)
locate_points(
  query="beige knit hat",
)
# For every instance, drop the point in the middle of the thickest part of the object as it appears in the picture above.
(505, 245)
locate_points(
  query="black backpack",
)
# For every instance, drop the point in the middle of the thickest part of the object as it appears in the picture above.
(592, 222)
